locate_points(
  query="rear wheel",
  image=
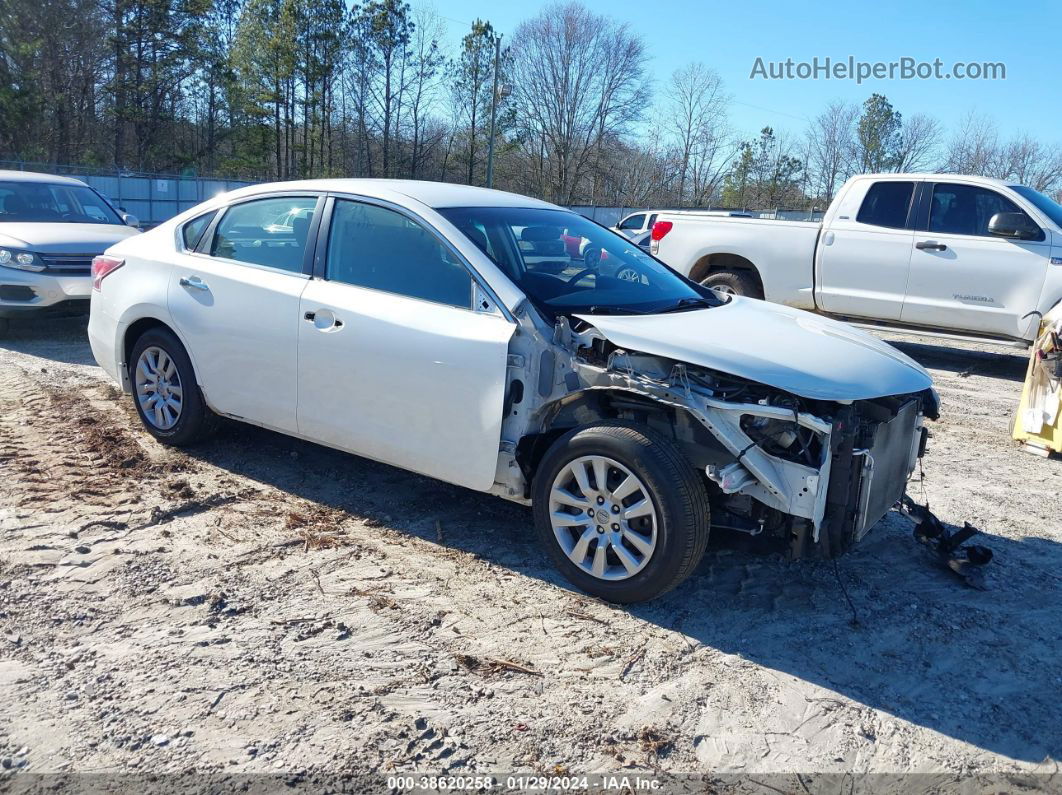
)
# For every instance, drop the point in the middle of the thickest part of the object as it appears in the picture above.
(734, 283)
(5, 324)
(622, 513)
(165, 391)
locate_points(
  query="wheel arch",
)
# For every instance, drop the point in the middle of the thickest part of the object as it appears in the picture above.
(598, 404)
(134, 329)
(723, 261)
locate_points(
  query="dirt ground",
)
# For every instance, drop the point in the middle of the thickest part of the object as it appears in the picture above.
(264, 605)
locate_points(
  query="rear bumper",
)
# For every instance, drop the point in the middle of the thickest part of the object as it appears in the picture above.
(23, 292)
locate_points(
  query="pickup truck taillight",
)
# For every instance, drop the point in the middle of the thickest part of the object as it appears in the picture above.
(661, 228)
(102, 267)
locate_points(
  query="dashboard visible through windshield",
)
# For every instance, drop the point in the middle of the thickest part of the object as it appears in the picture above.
(565, 263)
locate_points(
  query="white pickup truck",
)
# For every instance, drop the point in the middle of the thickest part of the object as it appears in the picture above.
(937, 254)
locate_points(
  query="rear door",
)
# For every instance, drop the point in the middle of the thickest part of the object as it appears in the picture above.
(864, 256)
(394, 362)
(235, 301)
(964, 278)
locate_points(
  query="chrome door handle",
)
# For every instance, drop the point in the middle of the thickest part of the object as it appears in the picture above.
(194, 282)
(321, 322)
(930, 245)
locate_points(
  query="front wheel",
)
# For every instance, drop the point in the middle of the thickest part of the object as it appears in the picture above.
(165, 391)
(622, 513)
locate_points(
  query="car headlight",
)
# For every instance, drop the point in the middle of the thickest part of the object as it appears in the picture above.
(22, 260)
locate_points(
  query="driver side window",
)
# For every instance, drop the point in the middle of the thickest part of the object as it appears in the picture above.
(966, 209)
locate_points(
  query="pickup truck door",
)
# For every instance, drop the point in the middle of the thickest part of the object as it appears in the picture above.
(394, 363)
(965, 279)
(864, 254)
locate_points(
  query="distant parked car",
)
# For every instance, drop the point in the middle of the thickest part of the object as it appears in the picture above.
(636, 223)
(50, 229)
(444, 329)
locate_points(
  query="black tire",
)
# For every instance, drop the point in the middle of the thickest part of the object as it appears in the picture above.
(677, 493)
(737, 282)
(5, 324)
(195, 421)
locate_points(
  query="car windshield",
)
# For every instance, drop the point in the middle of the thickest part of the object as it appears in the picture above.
(46, 203)
(565, 263)
(1048, 207)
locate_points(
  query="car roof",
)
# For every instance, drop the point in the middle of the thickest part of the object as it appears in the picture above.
(33, 176)
(433, 194)
(922, 175)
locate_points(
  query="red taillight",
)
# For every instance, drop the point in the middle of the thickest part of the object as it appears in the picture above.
(661, 228)
(101, 267)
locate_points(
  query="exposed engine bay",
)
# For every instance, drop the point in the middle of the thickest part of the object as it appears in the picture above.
(813, 474)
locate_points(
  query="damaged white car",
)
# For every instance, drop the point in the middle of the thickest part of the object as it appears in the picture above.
(401, 321)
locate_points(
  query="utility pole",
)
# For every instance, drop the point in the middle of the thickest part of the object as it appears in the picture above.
(493, 113)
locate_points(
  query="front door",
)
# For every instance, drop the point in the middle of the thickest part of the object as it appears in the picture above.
(964, 278)
(235, 301)
(394, 364)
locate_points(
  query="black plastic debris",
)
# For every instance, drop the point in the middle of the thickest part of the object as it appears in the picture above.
(966, 561)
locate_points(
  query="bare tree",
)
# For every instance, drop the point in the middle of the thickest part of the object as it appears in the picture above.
(919, 143)
(696, 111)
(831, 148)
(974, 148)
(578, 80)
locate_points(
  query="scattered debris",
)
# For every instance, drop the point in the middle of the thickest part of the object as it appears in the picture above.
(491, 666)
(968, 562)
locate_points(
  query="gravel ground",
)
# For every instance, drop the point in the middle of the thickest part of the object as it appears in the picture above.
(264, 605)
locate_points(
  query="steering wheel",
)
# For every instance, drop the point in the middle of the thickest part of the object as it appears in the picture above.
(575, 279)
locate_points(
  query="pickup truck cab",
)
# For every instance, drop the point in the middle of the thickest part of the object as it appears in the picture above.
(938, 254)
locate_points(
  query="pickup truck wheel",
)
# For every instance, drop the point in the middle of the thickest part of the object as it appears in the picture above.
(734, 283)
(165, 391)
(622, 513)
(5, 324)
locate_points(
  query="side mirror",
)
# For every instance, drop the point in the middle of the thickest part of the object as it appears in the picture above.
(1017, 226)
(130, 220)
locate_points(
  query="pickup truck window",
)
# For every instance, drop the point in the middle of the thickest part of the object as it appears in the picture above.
(634, 222)
(886, 204)
(966, 209)
(1047, 206)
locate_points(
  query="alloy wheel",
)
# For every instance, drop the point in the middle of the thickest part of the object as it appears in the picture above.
(603, 517)
(158, 388)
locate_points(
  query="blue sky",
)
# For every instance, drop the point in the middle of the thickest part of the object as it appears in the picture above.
(729, 36)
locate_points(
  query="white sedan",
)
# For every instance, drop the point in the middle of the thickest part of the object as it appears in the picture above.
(404, 322)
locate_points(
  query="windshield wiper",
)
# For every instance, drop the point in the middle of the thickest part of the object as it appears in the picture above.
(687, 303)
(615, 310)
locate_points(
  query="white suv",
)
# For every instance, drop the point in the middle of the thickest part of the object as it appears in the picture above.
(50, 229)
(402, 321)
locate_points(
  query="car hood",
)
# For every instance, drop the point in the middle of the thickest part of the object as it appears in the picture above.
(786, 348)
(63, 238)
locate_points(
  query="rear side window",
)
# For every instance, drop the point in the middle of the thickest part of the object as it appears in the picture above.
(194, 229)
(634, 222)
(269, 232)
(371, 246)
(966, 209)
(886, 204)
